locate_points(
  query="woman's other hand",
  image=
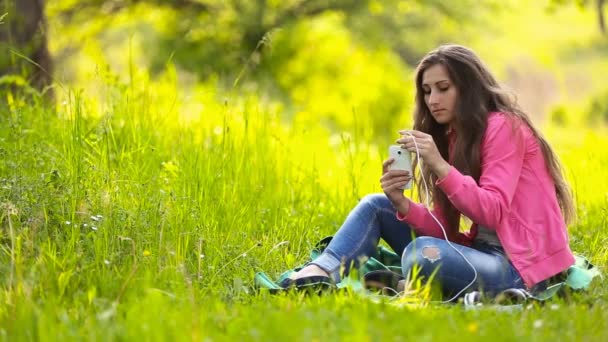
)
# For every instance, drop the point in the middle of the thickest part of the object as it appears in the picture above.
(392, 183)
(427, 149)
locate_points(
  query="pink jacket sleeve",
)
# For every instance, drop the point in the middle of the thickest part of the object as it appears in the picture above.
(424, 224)
(487, 204)
(422, 221)
(502, 156)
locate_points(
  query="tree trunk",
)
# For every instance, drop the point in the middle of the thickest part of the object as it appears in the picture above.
(25, 31)
(600, 16)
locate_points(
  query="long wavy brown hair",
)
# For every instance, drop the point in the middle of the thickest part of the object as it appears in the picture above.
(478, 95)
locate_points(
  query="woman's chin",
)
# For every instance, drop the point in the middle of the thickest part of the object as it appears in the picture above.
(443, 117)
(441, 120)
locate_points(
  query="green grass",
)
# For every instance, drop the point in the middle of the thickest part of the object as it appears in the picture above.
(141, 210)
(122, 219)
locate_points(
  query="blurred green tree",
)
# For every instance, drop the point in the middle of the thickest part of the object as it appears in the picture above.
(598, 6)
(340, 62)
(321, 41)
(23, 42)
(597, 112)
(220, 36)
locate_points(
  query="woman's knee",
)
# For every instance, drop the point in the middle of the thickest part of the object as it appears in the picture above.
(376, 201)
(423, 251)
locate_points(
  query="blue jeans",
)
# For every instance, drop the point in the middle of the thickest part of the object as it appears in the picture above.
(374, 218)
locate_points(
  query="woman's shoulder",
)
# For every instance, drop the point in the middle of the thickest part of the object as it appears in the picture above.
(500, 120)
(507, 126)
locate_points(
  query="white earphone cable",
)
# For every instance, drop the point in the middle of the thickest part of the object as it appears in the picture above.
(426, 189)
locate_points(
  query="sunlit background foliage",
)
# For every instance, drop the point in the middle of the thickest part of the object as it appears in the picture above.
(183, 145)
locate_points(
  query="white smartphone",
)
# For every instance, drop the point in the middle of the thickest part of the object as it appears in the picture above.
(403, 161)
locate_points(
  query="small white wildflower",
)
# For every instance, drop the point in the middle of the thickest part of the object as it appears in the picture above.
(106, 261)
(94, 228)
(202, 256)
(85, 225)
(68, 223)
(94, 218)
(538, 323)
(554, 306)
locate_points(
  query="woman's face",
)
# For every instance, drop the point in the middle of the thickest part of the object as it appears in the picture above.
(440, 93)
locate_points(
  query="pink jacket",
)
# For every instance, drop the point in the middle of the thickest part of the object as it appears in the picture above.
(515, 196)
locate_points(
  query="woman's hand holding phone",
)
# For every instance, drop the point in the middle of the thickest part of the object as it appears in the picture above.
(425, 146)
(393, 182)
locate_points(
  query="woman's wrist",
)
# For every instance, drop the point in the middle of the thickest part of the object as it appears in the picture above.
(403, 207)
(442, 170)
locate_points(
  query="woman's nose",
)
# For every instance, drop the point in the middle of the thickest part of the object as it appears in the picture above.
(433, 98)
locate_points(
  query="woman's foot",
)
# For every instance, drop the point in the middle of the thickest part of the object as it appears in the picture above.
(309, 271)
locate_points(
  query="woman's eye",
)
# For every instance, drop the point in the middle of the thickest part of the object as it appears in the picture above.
(444, 89)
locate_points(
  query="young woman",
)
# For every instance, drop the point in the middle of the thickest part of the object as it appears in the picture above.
(482, 158)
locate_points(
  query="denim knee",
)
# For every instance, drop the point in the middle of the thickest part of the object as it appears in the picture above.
(376, 201)
(425, 252)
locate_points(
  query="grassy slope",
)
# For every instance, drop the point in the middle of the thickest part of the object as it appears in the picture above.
(190, 212)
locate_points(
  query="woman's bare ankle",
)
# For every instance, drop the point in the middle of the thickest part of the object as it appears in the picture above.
(309, 271)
